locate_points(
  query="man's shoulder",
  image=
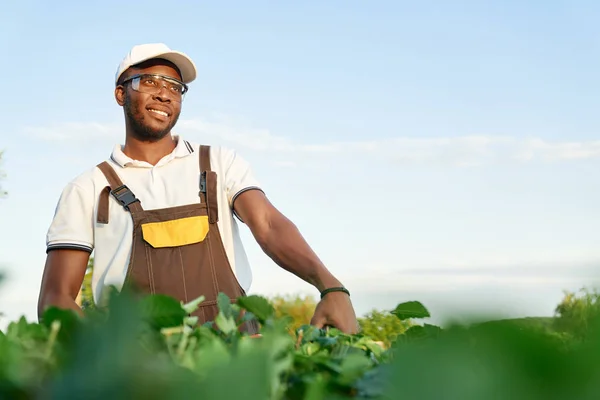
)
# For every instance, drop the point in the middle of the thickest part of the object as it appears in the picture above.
(89, 178)
(220, 156)
(214, 148)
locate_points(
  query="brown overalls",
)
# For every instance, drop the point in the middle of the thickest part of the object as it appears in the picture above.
(177, 251)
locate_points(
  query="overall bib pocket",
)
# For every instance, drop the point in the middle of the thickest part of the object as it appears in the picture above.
(175, 233)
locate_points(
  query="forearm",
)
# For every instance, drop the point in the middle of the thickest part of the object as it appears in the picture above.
(284, 244)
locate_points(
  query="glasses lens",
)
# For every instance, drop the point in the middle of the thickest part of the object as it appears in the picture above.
(154, 84)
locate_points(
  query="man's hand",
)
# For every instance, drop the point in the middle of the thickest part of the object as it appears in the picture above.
(335, 310)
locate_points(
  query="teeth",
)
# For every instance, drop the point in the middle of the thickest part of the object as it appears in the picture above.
(159, 112)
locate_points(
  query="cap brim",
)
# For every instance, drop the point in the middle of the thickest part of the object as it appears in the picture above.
(185, 65)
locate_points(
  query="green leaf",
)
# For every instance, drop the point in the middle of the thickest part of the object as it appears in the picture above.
(329, 364)
(324, 341)
(224, 304)
(225, 324)
(410, 310)
(310, 348)
(191, 321)
(212, 353)
(353, 367)
(162, 311)
(23, 331)
(316, 389)
(310, 333)
(192, 306)
(415, 333)
(371, 384)
(432, 330)
(244, 377)
(68, 319)
(370, 345)
(257, 305)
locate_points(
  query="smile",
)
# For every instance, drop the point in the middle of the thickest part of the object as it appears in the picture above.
(164, 114)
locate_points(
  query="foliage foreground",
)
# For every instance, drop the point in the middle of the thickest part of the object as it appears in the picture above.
(152, 349)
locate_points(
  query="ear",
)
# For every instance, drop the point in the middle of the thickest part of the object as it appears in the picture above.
(120, 95)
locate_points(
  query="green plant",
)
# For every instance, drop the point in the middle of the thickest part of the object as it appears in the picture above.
(150, 348)
(297, 309)
(383, 326)
(575, 314)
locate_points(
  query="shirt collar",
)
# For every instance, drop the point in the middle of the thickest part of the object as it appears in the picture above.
(182, 149)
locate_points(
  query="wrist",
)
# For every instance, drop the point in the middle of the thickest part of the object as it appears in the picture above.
(325, 281)
(338, 289)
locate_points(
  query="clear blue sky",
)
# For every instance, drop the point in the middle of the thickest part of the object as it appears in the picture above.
(440, 151)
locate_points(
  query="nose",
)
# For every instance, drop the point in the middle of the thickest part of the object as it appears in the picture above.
(161, 95)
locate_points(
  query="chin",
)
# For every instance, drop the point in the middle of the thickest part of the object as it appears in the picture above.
(152, 135)
(148, 129)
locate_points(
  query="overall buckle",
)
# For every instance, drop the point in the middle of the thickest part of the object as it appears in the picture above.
(124, 196)
(203, 182)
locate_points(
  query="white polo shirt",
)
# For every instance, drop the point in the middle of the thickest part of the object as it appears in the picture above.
(173, 181)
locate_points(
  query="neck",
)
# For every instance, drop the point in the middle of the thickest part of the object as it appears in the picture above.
(150, 152)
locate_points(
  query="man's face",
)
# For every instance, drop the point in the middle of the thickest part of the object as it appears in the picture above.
(151, 109)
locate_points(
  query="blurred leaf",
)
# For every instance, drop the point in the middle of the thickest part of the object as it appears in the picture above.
(353, 367)
(225, 324)
(162, 311)
(152, 350)
(224, 305)
(259, 306)
(69, 321)
(192, 306)
(382, 326)
(410, 310)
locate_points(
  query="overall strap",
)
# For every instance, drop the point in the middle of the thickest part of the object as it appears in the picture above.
(118, 190)
(208, 185)
(205, 158)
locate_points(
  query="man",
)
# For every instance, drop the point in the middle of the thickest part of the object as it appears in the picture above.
(159, 213)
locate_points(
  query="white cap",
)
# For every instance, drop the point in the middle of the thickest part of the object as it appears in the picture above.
(143, 52)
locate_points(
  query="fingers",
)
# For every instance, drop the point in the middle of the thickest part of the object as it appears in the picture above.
(346, 328)
(345, 320)
(318, 320)
(354, 329)
(348, 325)
(321, 322)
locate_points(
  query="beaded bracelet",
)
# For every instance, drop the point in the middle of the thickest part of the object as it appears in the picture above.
(334, 289)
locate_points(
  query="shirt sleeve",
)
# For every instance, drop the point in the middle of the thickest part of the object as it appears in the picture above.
(239, 177)
(72, 226)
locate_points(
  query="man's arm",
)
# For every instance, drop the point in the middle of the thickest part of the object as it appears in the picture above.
(281, 240)
(69, 243)
(63, 275)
